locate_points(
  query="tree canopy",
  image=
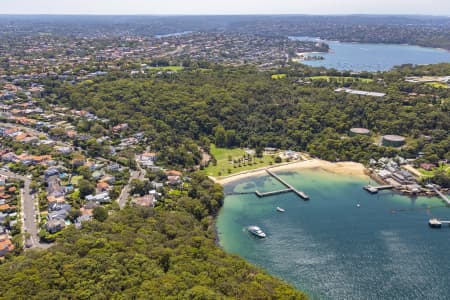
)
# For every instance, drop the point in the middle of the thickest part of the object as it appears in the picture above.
(142, 253)
(245, 107)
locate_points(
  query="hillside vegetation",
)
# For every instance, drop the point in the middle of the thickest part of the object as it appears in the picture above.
(243, 107)
(143, 253)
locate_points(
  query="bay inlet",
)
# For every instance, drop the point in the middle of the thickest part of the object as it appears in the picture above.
(342, 244)
(360, 57)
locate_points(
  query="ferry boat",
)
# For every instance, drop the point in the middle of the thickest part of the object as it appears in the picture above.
(435, 223)
(280, 209)
(255, 230)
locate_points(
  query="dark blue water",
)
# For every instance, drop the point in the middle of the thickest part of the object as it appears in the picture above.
(332, 249)
(375, 57)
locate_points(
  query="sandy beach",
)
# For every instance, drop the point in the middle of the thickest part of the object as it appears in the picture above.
(344, 168)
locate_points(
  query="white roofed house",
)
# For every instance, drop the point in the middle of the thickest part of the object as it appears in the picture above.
(147, 159)
(174, 180)
(58, 215)
(64, 149)
(157, 185)
(289, 154)
(99, 198)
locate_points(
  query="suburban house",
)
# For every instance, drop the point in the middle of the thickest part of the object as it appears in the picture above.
(147, 159)
(53, 226)
(100, 198)
(147, 200)
(5, 245)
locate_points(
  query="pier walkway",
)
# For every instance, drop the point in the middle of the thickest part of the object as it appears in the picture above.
(375, 189)
(260, 195)
(238, 193)
(290, 187)
(445, 198)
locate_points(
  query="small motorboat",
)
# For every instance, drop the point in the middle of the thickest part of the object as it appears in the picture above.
(280, 209)
(435, 223)
(255, 230)
(358, 205)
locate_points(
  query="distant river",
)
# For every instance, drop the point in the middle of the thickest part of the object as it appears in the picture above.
(375, 57)
(160, 36)
(333, 249)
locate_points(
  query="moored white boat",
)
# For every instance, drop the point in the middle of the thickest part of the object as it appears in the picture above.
(435, 223)
(255, 230)
(280, 209)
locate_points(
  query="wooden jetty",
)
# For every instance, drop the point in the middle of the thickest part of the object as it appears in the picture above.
(289, 187)
(375, 189)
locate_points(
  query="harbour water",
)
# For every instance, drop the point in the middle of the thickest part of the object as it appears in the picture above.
(333, 249)
(375, 57)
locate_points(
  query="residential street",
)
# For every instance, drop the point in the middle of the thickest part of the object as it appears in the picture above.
(140, 174)
(28, 211)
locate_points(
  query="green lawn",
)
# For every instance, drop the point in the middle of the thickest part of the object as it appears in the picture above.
(168, 68)
(175, 192)
(340, 78)
(438, 85)
(445, 168)
(278, 76)
(75, 179)
(224, 167)
(425, 173)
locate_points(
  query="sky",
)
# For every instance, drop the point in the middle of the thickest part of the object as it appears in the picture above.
(182, 7)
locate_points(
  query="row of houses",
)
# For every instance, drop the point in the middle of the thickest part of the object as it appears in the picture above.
(8, 214)
(58, 209)
(26, 159)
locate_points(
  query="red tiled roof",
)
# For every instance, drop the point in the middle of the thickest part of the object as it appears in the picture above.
(6, 244)
(173, 173)
(6, 207)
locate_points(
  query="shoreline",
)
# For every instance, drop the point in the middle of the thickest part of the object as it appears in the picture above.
(344, 168)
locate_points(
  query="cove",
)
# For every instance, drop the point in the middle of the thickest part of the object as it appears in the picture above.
(333, 249)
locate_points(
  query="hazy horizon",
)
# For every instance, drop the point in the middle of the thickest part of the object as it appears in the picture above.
(230, 7)
(220, 15)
